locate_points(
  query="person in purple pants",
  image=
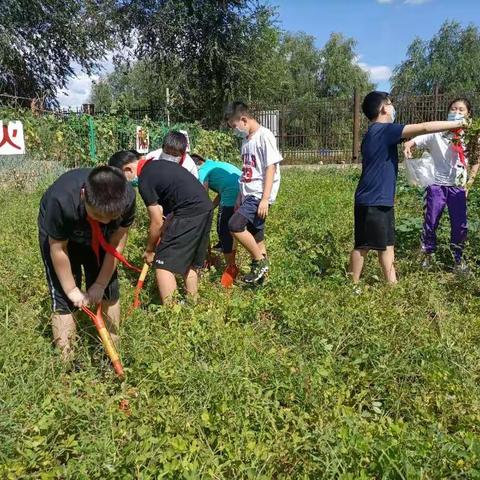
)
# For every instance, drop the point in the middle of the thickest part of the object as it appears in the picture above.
(451, 185)
(374, 208)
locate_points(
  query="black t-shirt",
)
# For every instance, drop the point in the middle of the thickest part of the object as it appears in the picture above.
(168, 184)
(62, 213)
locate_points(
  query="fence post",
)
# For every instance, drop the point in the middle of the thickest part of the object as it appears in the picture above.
(435, 102)
(356, 127)
(167, 105)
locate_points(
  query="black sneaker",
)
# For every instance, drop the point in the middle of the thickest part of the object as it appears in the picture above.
(258, 270)
(217, 247)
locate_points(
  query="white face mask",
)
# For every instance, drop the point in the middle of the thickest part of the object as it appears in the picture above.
(393, 115)
(170, 158)
(454, 116)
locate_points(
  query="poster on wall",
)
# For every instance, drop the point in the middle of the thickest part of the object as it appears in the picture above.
(12, 141)
(142, 138)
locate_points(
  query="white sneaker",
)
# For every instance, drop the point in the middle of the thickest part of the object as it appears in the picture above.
(461, 269)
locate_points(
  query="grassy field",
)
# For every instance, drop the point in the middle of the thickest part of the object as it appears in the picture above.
(299, 379)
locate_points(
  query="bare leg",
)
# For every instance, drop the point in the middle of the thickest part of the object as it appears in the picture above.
(248, 241)
(64, 330)
(230, 258)
(167, 285)
(191, 283)
(357, 259)
(386, 259)
(262, 247)
(111, 316)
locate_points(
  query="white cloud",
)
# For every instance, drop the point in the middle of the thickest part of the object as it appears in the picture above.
(77, 91)
(78, 88)
(377, 73)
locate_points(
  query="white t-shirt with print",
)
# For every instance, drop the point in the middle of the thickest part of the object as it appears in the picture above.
(188, 163)
(258, 152)
(449, 170)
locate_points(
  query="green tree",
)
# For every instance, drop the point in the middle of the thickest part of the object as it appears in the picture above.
(202, 48)
(137, 84)
(302, 62)
(449, 62)
(42, 40)
(101, 94)
(339, 72)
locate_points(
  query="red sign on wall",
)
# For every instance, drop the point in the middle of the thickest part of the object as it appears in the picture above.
(12, 141)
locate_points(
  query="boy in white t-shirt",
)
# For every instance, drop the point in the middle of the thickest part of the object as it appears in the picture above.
(259, 186)
(165, 153)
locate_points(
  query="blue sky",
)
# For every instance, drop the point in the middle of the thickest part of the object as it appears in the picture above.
(382, 28)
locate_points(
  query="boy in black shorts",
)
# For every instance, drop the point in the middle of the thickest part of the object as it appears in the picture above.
(79, 214)
(222, 178)
(169, 191)
(374, 198)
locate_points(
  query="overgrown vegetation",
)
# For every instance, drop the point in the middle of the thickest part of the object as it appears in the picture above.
(66, 139)
(300, 379)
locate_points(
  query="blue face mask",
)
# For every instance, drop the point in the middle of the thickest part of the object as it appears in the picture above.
(134, 182)
(454, 116)
(394, 114)
(240, 132)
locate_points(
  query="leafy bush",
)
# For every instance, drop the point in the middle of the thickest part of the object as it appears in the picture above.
(66, 138)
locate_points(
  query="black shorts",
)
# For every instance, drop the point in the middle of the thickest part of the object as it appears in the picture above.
(374, 227)
(184, 243)
(246, 217)
(80, 256)
(226, 239)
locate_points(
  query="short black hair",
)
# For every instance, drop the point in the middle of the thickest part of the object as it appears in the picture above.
(197, 158)
(175, 141)
(372, 103)
(464, 100)
(235, 110)
(123, 157)
(106, 190)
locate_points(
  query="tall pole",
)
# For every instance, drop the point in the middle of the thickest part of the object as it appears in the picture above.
(168, 106)
(356, 127)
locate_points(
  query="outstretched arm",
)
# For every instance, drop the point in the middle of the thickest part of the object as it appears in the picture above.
(413, 130)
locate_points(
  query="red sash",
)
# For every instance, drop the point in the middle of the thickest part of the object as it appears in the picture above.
(458, 147)
(142, 163)
(99, 240)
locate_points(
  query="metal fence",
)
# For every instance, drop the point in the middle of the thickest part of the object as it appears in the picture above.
(327, 130)
(311, 133)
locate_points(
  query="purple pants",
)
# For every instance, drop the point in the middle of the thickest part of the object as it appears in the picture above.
(436, 197)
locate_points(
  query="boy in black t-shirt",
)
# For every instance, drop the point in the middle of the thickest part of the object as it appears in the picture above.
(169, 191)
(375, 194)
(81, 210)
